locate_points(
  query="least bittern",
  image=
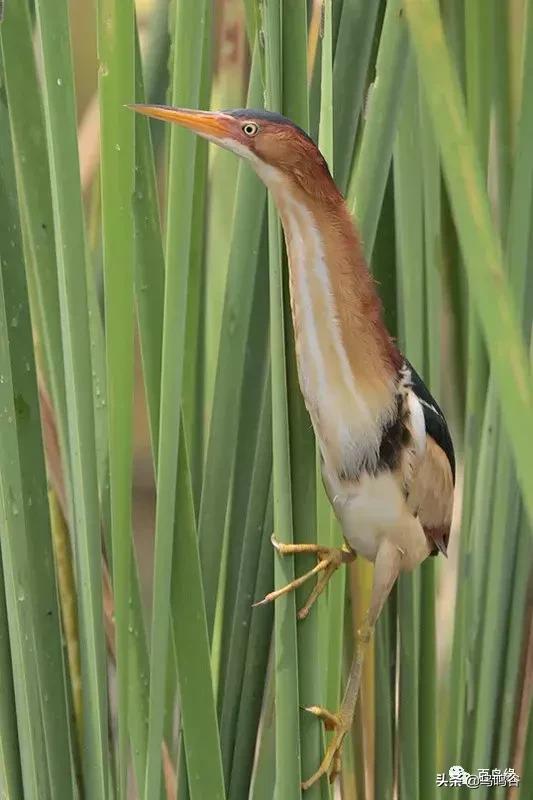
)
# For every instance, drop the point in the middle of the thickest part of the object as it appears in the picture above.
(386, 453)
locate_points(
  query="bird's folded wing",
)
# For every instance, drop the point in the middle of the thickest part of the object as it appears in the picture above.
(431, 494)
(431, 488)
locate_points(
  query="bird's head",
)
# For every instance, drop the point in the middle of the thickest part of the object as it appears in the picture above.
(275, 147)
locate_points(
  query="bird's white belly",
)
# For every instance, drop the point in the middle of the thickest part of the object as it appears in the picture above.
(368, 510)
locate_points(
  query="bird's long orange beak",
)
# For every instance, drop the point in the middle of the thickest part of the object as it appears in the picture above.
(205, 123)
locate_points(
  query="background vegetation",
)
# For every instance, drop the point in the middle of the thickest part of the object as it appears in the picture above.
(146, 351)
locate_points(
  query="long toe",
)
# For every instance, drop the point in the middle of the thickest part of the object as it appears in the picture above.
(331, 721)
(328, 560)
(331, 763)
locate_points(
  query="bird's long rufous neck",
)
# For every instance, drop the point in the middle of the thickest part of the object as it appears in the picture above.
(331, 280)
(348, 365)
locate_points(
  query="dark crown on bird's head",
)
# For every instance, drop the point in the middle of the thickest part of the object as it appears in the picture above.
(267, 116)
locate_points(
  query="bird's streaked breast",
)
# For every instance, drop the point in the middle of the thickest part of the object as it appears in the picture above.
(347, 416)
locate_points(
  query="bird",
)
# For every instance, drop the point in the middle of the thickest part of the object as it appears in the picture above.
(386, 454)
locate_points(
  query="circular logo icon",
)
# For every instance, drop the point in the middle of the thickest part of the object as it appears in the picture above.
(457, 773)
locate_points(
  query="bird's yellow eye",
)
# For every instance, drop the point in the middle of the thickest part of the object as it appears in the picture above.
(250, 128)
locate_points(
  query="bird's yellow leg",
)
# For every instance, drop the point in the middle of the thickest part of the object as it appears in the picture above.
(329, 560)
(341, 722)
(386, 571)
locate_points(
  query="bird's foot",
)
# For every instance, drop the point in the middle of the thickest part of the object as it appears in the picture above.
(331, 763)
(329, 559)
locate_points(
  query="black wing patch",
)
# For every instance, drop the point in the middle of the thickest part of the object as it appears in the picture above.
(436, 425)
